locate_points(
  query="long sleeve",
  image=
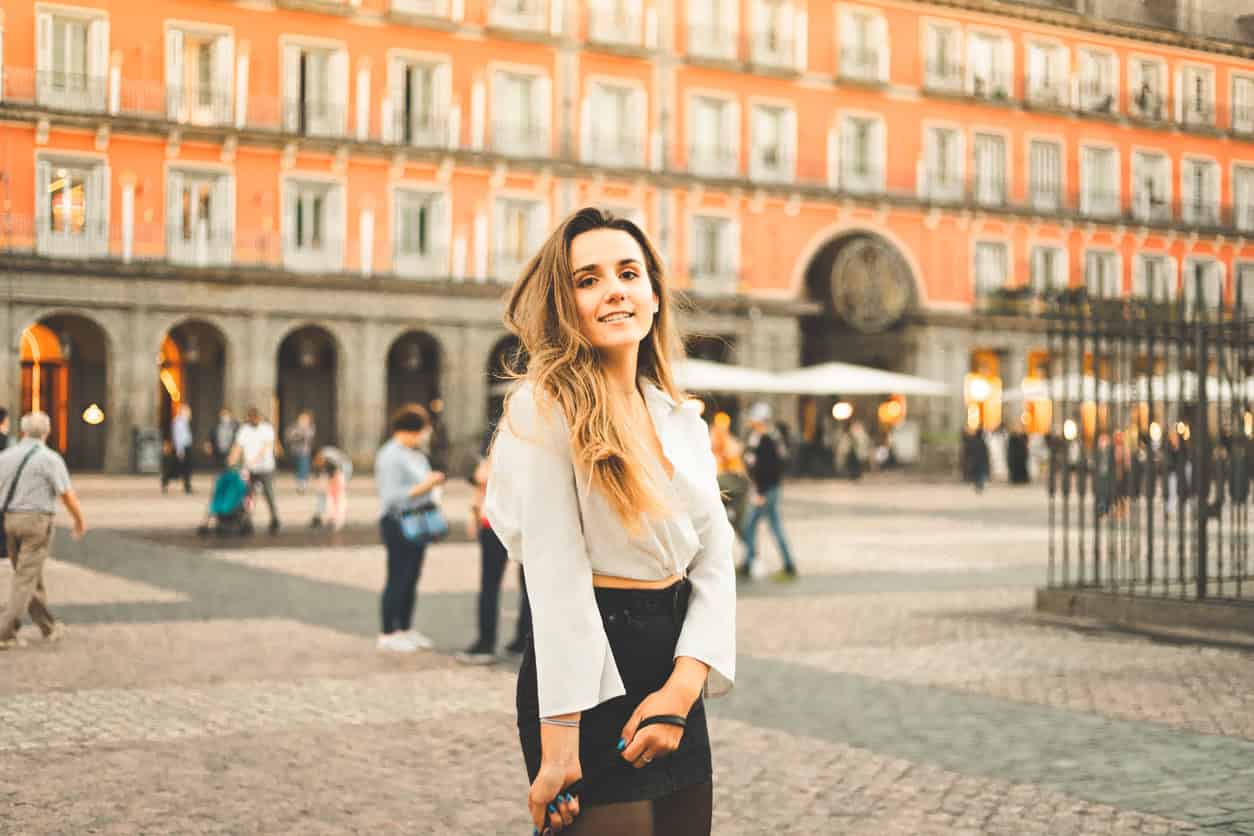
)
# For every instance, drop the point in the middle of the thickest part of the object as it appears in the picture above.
(709, 631)
(532, 504)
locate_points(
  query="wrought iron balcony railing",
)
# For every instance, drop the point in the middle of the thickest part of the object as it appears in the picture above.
(520, 139)
(421, 8)
(713, 280)
(718, 42)
(771, 48)
(994, 84)
(57, 90)
(431, 263)
(198, 105)
(613, 149)
(1051, 94)
(860, 63)
(943, 77)
(713, 159)
(772, 165)
(416, 130)
(616, 27)
(315, 117)
(525, 15)
(1097, 97)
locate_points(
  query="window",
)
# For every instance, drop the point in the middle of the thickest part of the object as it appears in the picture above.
(943, 168)
(529, 15)
(774, 140)
(713, 148)
(943, 47)
(1098, 84)
(1243, 197)
(422, 8)
(1209, 273)
(315, 83)
(71, 207)
(519, 228)
(1154, 278)
(990, 61)
(1047, 75)
(199, 69)
(614, 122)
(521, 114)
(1199, 192)
(990, 169)
(1101, 274)
(72, 61)
(714, 255)
(863, 45)
(1049, 270)
(416, 110)
(862, 155)
(1099, 176)
(1243, 104)
(1151, 187)
(1147, 84)
(1045, 175)
(200, 216)
(419, 233)
(1195, 100)
(313, 235)
(615, 22)
(992, 267)
(776, 41)
(713, 28)
(1243, 291)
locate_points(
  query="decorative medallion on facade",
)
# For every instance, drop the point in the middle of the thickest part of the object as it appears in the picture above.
(871, 286)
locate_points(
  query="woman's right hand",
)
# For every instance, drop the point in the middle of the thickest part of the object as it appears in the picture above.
(438, 478)
(554, 776)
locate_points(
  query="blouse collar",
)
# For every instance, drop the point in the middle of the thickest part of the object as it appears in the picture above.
(655, 397)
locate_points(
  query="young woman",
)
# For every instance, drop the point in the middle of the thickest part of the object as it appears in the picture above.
(604, 488)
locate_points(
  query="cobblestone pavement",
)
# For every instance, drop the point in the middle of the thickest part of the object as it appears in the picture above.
(902, 686)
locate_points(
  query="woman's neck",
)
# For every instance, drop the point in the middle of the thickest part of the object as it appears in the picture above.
(621, 368)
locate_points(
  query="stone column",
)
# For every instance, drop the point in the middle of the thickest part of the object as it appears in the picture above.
(131, 385)
(372, 395)
(10, 363)
(260, 374)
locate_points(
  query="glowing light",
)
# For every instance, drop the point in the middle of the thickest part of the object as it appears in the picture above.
(1156, 432)
(437, 406)
(1183, 429)
(842, 411)
(171, 386)
(93, 415)
(978, 388)
(890, 412)
(1069, 430)
(1249, 424)
(722, 420)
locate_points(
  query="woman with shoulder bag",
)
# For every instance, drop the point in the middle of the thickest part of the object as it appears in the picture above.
(409, 521)
(604, 487)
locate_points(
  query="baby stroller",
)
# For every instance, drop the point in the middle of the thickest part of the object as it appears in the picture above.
(230, 506)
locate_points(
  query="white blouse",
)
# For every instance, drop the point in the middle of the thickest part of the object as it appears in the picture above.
(562, 531)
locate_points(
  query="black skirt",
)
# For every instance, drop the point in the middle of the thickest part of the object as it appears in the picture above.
(643, 628)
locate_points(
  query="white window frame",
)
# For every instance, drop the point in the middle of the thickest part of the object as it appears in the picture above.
(605, 26)
(996, 81)
(534, 138)
(1092, 204)
(213, 244)
(435, 262)
(948, 186)
(772, 48)
(1190, 111)
(1195, 211)
(533, 18)
(784, 168)
(421, 8)
(1056, 59)
(1213, 285)
(948, 77)
(981, 287)
(1058, 280)
(507, 266)
(1038, 199)
(616, 148)
(1140, 278)
(724, 278)
(1242, 111)
(1142, 209)
(328, 257)
(1243, 195)
(1093, 93)
(871, 181)
(985, 187)
(323, 117)
(180, 106)
(1113, 276)
(865, 62)
(1153, 108)
(437, 132)
(717, 37)
(706, 156)
(93, 242)
(1243, 277)
(54, 86)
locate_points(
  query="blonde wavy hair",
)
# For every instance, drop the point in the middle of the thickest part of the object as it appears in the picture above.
(565, 371)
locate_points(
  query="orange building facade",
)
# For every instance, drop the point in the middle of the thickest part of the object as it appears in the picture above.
(315, 204)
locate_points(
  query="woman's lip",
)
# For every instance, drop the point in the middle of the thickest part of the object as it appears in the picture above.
(606, 319)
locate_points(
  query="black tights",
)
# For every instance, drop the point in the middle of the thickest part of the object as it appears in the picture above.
(686, 812)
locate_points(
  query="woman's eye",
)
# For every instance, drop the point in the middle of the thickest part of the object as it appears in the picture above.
(586, 281)
(630, 274)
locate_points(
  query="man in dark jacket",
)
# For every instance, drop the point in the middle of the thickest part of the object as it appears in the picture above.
(766, 459)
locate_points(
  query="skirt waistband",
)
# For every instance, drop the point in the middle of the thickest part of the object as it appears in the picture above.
(671, 600)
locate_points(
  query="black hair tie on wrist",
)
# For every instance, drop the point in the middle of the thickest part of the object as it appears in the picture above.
(663, 720)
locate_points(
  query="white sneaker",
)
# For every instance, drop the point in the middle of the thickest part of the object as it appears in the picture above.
(396, 643)
(420, 641)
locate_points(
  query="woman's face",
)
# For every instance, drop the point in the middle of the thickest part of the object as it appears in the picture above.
(613, 292)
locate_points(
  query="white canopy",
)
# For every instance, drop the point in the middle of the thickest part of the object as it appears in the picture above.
(1174, 387)
(704, 376)
(848, 379)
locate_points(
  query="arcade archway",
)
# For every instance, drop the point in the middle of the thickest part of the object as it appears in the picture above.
(505, 358)
(192, 370)
(65, 374)
(307, 368)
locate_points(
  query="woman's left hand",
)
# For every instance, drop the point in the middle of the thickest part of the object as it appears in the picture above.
(656, 741)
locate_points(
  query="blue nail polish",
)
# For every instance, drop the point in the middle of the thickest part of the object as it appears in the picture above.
(622, 744)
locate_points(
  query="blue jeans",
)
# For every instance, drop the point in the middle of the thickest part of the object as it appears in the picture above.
(303, 464)
(770, 510)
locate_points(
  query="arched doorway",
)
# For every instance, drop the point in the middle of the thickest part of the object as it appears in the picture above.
(506, 356)
(192, 370)
(308, 362)
(414, 362)
(65, 374)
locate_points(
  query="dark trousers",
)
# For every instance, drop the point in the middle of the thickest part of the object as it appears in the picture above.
(266, 481)
(400, 591)
(493, 560)
(180, 468)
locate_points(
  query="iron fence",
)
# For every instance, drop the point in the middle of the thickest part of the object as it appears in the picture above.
(1152, 439)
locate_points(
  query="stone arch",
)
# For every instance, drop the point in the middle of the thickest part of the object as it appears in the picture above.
(414, 367)
(839, 233)
(503, 354)
(193, 361)
(310, 365)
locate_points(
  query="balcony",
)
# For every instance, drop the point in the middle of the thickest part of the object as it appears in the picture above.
(771, 165)
(322, 255)
(1148, 206)
(860, 64)
(1243, 216)
(614, 150)
(199, 105)
(1045, 198)
(1047, 94)
(942, 188)
(1243, 120)
(89, 240)
(202, 249)
(315, 117)
(713, 160)
(508, 264)
(943, 78)
(1198, 114)
(520, 139)
(865, 178)
(615, 27)
(715, 43)
(1097, 97)
(520, 15)
(1200, 213)
(994, 85)
(436, 9)
(425, 130)
(988, 191)
(70, 91)
(1100, 204)
(713, 280)
(770, 48)
(432, 264)
(1148, 105)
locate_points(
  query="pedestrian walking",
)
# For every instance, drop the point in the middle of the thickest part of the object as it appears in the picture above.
(222, 438)
(766, 458)
(32, 478)
(4, 429)
(859, 450)
(181, 442)
(733, 481)
(254, 453)
(975, 457)
(604, 488)
(408, 494)
(334, 469)
(1017, 456)
(299, 439)
(493, 559)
